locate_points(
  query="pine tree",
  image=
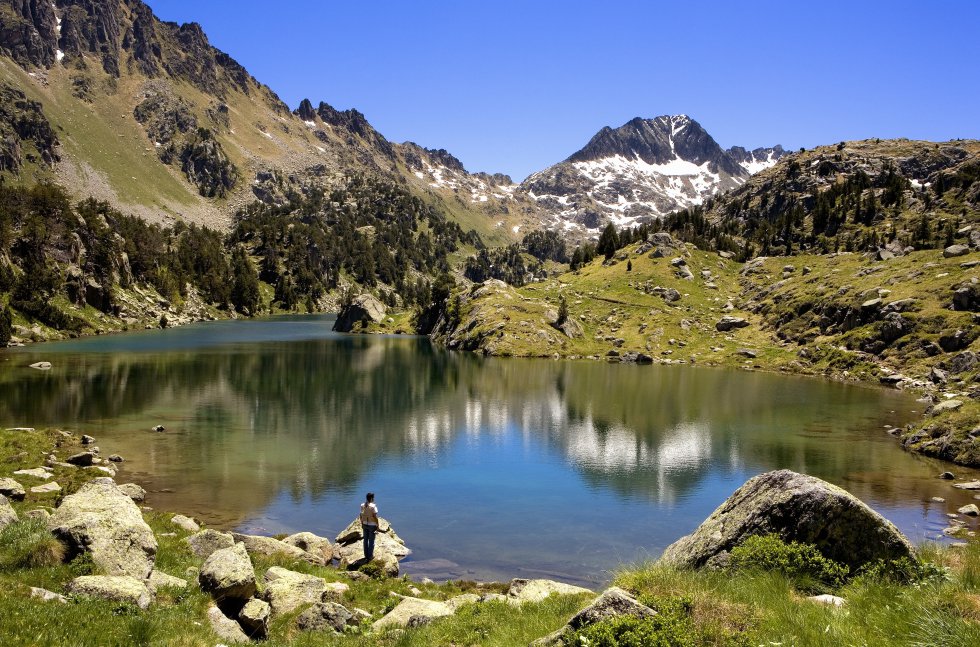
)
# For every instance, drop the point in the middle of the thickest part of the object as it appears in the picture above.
(608, 242)
(245, 283)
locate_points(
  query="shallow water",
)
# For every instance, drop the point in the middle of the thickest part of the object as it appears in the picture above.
(489, 468)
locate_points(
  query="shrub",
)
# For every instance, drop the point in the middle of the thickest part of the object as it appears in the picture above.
(28, 544)
(903, 571)
(672, 627)
(801, 563)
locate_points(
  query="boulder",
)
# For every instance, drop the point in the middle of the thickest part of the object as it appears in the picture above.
(729, 322)
(118, 588)
(228, 573)
(363, 308)
(133, 491)
(970, 510)
(612, 603)
(207, 541)
(99, 518)
(254, 618)
(47, 488)
(956, 250)
(160, 580)
(944, 406)
(7, 513)
(795, 507)
(82, 459)
(383, 545)
(37, 472)
(315, 545)
(326, 616)
(47, 596)
(186, 523)
(12, 489)
(225, 628)
(962, 362)
(353, 532)
(522, 590)
(258, 545)
(410, 608)
(287, 590)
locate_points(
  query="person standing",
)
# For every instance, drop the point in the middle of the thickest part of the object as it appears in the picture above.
(369, 525)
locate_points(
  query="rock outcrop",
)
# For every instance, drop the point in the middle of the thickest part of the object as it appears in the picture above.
(796, 507)
(99, 518)
(363, 309)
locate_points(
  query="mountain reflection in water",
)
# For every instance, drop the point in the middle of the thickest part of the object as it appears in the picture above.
(493, 464)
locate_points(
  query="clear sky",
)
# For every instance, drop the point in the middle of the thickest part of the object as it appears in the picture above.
(514, 86)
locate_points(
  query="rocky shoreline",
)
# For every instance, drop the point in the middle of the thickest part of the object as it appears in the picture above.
(253, 582)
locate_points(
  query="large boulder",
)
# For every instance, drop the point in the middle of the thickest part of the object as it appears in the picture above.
(228, 573)
(795, 507)
(612, 603)
(287, 590)
(118, 588)
(362, 309)
(353, 532)
(7, 513)
(102, 520)
(207, 541)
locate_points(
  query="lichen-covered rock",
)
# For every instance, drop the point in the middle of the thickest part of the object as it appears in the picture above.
(522, 590)
(99, 518)
(133, 491)
(160, 580)
(207, 541)
(7, 513)
(287, 590)
(225, 628)
(319, 547)
(795, 507)
(326, 616)
(228, 573)
(119, 588)
(612, 603)
(410, 608)
(254, 618)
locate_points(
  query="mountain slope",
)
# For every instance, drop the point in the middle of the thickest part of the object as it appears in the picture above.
(641, 170)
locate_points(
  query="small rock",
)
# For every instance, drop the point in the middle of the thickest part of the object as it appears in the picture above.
(947, 476)
(186, 523)
(83, 459)
(39, 513)
(970, 510)
(160, 580)
(969, 485)
(729, 322)
(41, 366)
(47, 488)
(12, 489)
(116, 458)
(47, 596)
(159, 428)
(37, 472)
(956, 250)
(948, 405)
(522, 590)
(7, 513)
(829, 600)
(87, 440)
(938, 499)
(746, 352)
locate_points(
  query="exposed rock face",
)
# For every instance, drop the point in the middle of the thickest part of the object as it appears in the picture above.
(101, 519)
(796, 507)
(612, 603)
(7, 513)
(228, 573)
(25, 132)
(363, 308)
(29, 32)
(207, 541)
(119, 588)
(205, 164)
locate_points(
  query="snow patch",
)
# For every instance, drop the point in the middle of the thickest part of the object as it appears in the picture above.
(310, 124)
(268, 136)
(58, 55)
(516, 228)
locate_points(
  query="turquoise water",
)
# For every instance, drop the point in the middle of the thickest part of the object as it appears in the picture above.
(489, 468)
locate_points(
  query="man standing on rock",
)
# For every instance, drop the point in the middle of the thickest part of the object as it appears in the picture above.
(369, 525)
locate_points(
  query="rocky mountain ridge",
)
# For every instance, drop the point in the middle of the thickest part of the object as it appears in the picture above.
(640, 171)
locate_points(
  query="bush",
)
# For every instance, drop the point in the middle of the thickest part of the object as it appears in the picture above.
(672, 627)
(801, 563)
(903, 571)
(28, 544)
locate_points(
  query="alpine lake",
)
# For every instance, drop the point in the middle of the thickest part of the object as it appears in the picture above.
(488, 468)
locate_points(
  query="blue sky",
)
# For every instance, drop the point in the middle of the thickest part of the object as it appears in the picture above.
(515, 86)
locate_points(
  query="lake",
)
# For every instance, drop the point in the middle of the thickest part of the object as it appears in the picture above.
(488, 468)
